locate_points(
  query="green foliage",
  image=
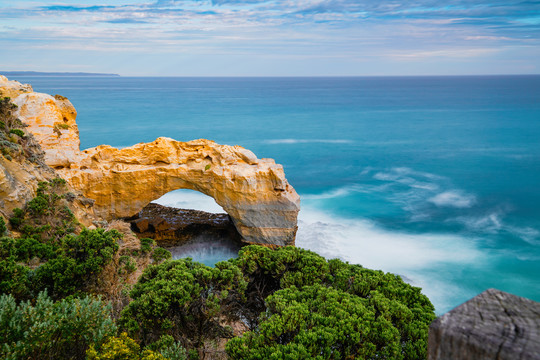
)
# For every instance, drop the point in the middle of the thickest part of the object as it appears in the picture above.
(47, 215)
(62, 126)
(410, 311)
(17, 132)
(128, 264)
(122, 348)
(79, 262)
(17, 218)
(14, 278)
(3, 227)
(269, 270)
(407, 311)
(317, 322)
(7, 110)
(207, 167)
(49, 330)
(25, 249)
(161, 254)
(169, 348)
(147, 244)
(184, 299)
(11, 147)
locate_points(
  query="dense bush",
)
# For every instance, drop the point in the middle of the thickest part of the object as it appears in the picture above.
(65, 268)
(14, 278)
(49, 330)
(3, 227)
(79, 262)
(400, 307)
(161, 254)
(184, 299)
(269, 270)
(46, 216)
(316, 322)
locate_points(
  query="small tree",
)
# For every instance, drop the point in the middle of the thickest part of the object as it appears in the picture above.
(79, 263)
(184, 299)
(269, 270)
(49, 330)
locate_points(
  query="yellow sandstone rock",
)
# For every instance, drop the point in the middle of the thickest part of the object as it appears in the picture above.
(254, 192)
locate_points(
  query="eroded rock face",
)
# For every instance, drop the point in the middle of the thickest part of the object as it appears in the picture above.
(254, 192)
(12, 89)
(52, 122)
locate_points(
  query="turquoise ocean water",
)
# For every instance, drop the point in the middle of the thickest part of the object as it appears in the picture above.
(433, 178)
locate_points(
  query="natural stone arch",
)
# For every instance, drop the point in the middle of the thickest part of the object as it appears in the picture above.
(254, 192)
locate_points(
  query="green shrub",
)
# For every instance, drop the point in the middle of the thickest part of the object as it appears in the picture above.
(25, 249)
(49, 330)
(17, 218)
(47, 215)
(316, 322)
(14, 278)
(268, 271)
(170, 349)
(121, 348)
(184, 299)
(128, 264)
(79, 262)
(3, 227)
(161, 254)
(62, 126)
(147, 244)
(17, 132)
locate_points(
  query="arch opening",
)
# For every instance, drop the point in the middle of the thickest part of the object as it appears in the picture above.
(189, 199)
(191, 224)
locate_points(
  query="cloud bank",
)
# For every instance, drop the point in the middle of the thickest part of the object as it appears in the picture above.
(274, 37)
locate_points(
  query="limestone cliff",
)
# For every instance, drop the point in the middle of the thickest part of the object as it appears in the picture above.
(254, 192)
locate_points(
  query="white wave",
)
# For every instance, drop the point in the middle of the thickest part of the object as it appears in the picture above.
(490, 223)
(307, 141)
(189, 199)
(409, 177)
(527, 234)
(415, 256)
(335, 193)
(453, 198)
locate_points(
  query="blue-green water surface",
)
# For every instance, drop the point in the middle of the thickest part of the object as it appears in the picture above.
(433, 178)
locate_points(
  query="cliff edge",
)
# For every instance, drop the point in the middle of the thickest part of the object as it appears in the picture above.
(254, 192)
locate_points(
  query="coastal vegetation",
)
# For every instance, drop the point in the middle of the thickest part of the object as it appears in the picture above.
(289, 303)
(58, 300)
(15, 143)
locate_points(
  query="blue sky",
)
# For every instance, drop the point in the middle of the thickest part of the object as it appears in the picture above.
(272, 38)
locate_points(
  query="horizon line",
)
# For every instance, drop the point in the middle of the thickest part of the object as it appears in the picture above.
(99, 74)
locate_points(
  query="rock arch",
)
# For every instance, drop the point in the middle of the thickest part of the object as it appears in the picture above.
(254, 192)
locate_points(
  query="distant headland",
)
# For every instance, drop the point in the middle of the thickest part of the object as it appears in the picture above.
(39, 73)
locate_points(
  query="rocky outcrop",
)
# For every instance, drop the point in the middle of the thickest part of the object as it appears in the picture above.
(254, 192)
(492, 325)
(12, 89)
(52, 122)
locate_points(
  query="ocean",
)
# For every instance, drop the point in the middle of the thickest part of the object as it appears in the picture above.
(432, 178)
